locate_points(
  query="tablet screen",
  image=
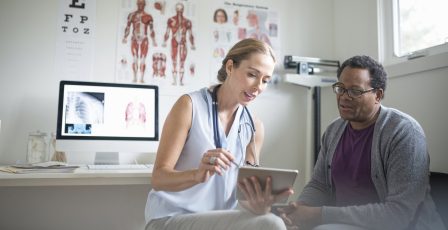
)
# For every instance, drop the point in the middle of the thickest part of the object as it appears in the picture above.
(281, 178)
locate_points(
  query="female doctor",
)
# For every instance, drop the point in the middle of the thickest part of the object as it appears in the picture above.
(207, 136)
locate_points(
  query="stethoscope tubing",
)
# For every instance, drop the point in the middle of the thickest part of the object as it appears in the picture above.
(217, 138)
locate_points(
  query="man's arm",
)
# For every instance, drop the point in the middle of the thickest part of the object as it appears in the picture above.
(317, 192)
(307, 211)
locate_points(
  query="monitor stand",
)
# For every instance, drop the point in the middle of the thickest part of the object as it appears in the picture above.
(107, 158)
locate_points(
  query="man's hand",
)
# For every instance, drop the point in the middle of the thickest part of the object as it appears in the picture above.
(301, 216)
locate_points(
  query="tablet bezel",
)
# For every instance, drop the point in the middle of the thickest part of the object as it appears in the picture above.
(281, 178)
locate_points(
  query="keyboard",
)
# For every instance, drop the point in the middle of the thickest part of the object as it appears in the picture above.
(120, 167)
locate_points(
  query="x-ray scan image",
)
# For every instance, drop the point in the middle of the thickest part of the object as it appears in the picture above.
(84, 108)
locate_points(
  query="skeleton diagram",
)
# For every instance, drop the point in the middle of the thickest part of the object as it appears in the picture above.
(178, 25)
(140, 22)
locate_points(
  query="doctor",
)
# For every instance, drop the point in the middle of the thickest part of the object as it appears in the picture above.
(207, 136)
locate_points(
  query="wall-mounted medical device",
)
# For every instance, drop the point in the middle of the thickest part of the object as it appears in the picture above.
(310, 65)
(312, 73)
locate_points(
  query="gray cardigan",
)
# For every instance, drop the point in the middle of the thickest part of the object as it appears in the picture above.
(400, 173)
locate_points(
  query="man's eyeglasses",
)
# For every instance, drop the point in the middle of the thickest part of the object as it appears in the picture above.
(339, 90)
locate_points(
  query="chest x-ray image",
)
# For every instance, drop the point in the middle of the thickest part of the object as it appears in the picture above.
(85, 108)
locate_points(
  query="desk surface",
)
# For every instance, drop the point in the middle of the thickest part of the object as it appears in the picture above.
(81, 176)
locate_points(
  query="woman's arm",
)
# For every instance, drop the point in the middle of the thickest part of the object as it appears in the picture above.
(174, 135)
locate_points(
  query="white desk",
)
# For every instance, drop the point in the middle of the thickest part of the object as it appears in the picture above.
(81, 176)
(84, 199)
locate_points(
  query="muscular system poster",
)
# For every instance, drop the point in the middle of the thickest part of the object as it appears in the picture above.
(156, 43)
(171, 44)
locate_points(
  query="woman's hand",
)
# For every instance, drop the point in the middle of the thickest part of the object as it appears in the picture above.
(213, 161)
(259, 200)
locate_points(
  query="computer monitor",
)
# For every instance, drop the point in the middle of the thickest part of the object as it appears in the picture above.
(107, 119)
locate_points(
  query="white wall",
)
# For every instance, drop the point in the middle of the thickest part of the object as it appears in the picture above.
(416, 87)
(423, 95)
(355, 28)
(29, 85)
(317, 28)
(29, 88)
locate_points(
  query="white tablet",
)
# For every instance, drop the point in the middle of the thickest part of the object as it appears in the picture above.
(281, 178)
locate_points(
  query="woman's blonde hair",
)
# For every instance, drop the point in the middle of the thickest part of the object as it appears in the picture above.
(242, 51)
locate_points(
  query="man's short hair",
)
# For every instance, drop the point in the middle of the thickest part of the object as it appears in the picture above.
(378, 75)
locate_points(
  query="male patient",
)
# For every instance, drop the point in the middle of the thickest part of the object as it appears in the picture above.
(373, 167)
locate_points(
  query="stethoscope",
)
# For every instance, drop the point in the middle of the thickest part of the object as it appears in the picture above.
(217, 138)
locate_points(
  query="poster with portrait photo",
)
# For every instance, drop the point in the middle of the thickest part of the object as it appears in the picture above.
(234, 21)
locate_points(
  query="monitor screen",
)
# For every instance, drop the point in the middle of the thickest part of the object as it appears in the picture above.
(107, 117)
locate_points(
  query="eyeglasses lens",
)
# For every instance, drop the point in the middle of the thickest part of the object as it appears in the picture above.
(339, 90)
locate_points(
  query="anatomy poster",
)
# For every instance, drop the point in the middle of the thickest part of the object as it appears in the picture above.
(233, 21)
(157, 43)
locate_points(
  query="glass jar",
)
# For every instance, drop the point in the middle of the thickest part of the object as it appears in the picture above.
(37, 147)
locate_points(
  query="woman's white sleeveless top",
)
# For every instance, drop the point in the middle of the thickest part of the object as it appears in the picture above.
(219, 192)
